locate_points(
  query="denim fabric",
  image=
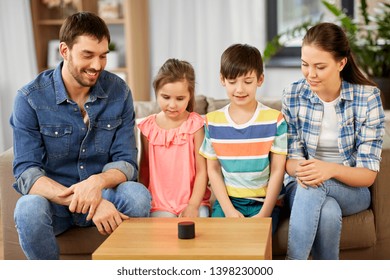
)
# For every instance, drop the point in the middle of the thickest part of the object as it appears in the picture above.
(316, 217)
(248, 208)
(51, 138)
(38, 220)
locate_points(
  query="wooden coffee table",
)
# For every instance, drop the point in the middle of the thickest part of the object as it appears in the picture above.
(215, 239)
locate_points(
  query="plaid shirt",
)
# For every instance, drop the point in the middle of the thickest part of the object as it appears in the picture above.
(360, 116)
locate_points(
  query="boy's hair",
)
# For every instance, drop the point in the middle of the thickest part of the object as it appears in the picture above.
(239, 59)
(174, 70)
(83, 23)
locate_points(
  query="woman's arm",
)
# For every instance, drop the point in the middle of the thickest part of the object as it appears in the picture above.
(314, 172)
(201, 179)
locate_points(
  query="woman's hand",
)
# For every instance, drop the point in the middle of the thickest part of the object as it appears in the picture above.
(313, 172)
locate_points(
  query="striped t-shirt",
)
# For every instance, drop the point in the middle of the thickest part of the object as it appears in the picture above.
(243, 150)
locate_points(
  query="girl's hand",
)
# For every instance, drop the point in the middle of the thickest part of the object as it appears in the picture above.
(191, 211)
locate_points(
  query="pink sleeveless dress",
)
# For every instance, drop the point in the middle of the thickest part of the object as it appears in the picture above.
(172, 163)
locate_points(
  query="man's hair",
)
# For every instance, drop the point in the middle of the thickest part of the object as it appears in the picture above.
(83, 23)
(238, 60)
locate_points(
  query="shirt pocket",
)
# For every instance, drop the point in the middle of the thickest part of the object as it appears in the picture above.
(105, 131)
(57, 140)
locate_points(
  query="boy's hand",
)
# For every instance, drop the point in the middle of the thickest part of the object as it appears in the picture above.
(234, 214)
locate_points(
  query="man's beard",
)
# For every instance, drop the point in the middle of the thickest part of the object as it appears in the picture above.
(78, 76)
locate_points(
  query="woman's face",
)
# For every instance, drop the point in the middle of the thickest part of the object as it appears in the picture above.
(321, 70)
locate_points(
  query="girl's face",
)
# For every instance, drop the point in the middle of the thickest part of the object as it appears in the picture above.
(242, 90)
(173, 98)
(321, 70)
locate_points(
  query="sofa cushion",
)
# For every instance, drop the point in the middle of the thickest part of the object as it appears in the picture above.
(215, 104)
(201, 104)
(358, 231)
(146, 108)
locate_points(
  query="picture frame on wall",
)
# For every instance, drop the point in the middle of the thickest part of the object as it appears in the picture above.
(53, 54)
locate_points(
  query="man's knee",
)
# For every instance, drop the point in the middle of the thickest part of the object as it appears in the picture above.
(31, 207)
(136, 199)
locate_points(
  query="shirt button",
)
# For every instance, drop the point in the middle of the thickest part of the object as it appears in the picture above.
(83, 128)
(86, 106)
(81, 167)
(56, 133)
(83, 150)
(108, 125)
(75, 109)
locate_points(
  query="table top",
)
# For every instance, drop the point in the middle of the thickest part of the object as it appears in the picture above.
(215, 239)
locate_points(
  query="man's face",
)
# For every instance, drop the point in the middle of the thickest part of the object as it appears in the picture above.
(85, 61)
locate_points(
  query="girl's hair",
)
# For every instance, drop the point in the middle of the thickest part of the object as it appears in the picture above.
(174, 70)
(238, 60)
(83, 23)
(331, 38)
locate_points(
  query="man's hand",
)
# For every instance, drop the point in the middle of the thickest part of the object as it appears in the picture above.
(107, 218)
(87, 195)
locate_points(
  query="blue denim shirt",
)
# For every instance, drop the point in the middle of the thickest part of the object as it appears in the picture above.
(51, 138)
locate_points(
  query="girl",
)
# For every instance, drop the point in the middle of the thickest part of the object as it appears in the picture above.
(171, 166)
(335, 130)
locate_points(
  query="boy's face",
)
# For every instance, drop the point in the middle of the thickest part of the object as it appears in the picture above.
(242, 90)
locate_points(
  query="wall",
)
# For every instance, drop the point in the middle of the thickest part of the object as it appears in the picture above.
(17, 62)
(195, 30)
(200, 30)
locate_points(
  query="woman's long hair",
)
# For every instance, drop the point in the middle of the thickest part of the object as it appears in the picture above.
(331, 38)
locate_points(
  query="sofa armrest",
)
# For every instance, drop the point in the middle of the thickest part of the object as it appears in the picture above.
(380, 200)
(9, 197)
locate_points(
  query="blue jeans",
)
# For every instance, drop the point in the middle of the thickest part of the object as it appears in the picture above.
(316, 217)
(38, 221)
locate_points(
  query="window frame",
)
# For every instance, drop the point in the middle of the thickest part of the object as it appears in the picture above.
(290, 57)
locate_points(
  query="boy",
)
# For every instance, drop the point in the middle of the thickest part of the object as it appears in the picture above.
(245, 142)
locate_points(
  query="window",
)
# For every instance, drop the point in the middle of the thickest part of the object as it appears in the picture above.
(284, 14)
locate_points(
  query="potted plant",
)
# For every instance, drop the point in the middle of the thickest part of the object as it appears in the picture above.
(112, 57)
(369, 38)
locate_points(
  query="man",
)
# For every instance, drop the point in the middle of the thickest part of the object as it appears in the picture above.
(74, 144)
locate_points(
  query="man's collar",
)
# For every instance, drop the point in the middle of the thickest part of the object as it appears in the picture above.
(62, 95)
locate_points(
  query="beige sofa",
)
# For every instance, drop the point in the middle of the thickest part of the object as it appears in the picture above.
(364, 236)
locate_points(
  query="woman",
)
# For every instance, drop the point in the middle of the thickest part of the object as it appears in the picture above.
(335, 129)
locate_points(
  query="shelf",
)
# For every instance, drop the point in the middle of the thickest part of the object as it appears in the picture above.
(133, 28)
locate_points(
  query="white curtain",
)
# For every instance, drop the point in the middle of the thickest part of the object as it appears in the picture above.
(17, 59)
(199, 31)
